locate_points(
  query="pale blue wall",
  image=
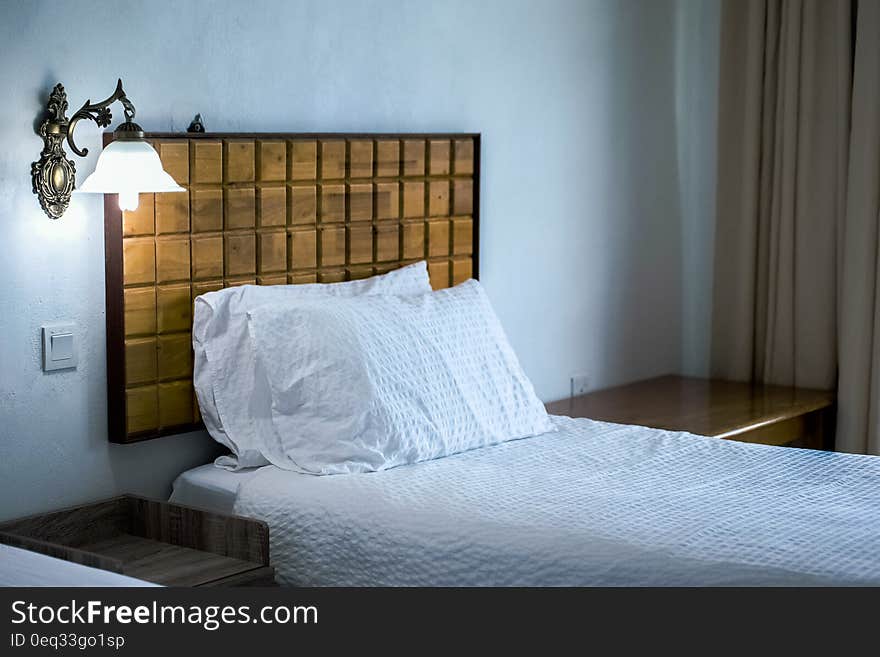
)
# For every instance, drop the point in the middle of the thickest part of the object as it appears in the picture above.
(581, 230)
(698, 30)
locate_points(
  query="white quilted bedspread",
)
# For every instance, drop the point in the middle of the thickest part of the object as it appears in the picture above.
(592, 504)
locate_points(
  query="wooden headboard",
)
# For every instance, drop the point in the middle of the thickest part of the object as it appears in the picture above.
(269, 209)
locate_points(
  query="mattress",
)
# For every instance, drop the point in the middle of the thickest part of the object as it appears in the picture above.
(24, 568)
(209, 487)
(592, 504)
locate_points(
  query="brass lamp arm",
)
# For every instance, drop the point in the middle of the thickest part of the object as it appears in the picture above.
(100, 114)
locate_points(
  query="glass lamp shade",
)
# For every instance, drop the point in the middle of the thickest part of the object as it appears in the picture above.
(128, 167)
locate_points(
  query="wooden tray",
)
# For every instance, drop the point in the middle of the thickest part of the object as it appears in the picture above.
(155, 541)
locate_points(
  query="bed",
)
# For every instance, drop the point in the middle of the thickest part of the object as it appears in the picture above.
(194, 340)
(592, 504)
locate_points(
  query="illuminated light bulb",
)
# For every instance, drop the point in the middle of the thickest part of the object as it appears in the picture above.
(128, 201)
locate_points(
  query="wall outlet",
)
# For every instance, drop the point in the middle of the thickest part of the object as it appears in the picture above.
(580, 384)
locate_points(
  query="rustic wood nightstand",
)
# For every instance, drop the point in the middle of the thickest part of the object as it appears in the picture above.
(771, 415)
(155, 541)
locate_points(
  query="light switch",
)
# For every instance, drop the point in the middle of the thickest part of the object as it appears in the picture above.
(62, 346)
(59, 347)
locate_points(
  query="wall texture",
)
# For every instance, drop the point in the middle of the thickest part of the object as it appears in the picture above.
(582, 245)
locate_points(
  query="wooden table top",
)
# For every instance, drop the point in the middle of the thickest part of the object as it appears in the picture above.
(701, 406)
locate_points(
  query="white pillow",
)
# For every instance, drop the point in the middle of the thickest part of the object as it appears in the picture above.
(232, 401)
(371, 383)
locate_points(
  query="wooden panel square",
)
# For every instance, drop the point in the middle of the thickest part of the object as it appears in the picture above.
(438, 195)
(360, 200)
(240, 207)
(241, 255)
(239, 161)
(413, 240)
(175, 308)
(387, 243)
(273, 252)
(332, 160)
(439, 158)
(303, 249)
(175, 403)
(140, 310)
(172, 260)
(143, 220)
(388, 158)
(332, 250)
(361, 158)
(385, 268)
(462, 270)
(138, 261)
(203, 287)
(272, 206)
(413, 199)
(360, 244)
(304, 205)
(438, 272)
(303, 160)
(175, 356)
(207, 257)
(300, 278)
(274, 279)
(464, 156)
(207, 210)
(172, 212)
(175, 160)
(463, 196)
(463, 236)
(272, 156)
(332, 203)
(438, 238)
(207, 166)
(331, 276)
(359, 272)
(141, 409)
(387, 201)
(414, 158)
(140, 361)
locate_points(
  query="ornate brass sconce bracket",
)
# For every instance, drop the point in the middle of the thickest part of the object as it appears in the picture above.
(54, 175)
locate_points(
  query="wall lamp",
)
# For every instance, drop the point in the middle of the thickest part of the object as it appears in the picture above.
(127, 166)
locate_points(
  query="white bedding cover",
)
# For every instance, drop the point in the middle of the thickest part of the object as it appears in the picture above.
(209, 487)
(25, 568)
(592, 504)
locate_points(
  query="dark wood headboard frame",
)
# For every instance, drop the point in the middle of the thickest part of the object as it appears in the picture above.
(118, 426)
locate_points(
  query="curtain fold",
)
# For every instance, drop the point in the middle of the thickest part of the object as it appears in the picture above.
(784, 108)
(797, 273)
(858, 395)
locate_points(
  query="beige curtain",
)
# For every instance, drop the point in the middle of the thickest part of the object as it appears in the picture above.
(858, 395)
(797, 274)
(784, 101)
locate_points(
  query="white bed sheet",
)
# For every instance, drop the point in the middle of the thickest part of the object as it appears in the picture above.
(592, 504)
(25, 568)
(209, 487)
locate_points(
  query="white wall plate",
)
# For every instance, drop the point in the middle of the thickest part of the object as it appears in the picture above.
(59, 347)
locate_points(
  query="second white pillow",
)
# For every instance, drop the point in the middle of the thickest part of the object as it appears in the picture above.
(371, 383)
